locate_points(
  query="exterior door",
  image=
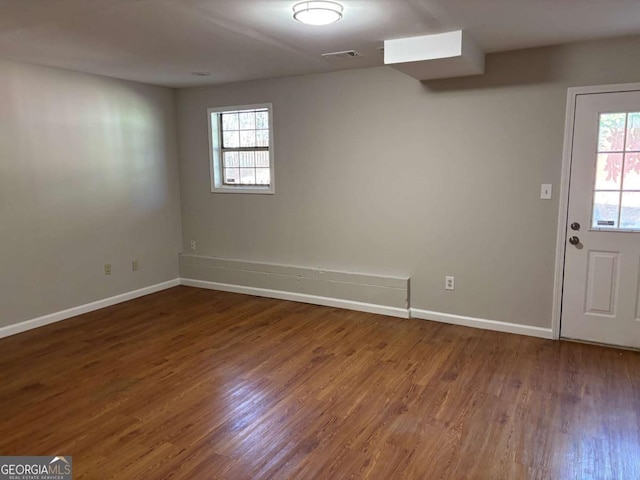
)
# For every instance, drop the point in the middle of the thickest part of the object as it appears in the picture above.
(601, 289)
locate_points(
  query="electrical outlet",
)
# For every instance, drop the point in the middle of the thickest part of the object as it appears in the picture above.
(193, 245)
(134, 265)
(450, 283)
(107, 269)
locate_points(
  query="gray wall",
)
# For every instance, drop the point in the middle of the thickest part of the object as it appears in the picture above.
(380, 174)
(88, 176)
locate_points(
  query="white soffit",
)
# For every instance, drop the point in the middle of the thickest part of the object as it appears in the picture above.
(444, 55)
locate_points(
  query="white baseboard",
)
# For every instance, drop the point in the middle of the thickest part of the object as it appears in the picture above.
(482, 323)
(299, 297)
(89, 307)
(281, 295)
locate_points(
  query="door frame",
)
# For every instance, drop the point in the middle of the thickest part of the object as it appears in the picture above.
(561, 239)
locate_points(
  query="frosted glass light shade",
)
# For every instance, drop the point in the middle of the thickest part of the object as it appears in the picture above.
(317, 13)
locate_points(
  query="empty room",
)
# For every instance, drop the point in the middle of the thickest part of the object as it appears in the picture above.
(319, 240)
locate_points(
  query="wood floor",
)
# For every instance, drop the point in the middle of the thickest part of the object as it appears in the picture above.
(195, 384)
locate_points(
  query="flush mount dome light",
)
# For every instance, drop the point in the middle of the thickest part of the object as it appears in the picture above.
(317, 13)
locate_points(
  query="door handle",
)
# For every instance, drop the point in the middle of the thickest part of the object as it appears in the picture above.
(575, 226)
(574, 240)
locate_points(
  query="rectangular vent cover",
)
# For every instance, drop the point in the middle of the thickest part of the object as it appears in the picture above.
(341, 55)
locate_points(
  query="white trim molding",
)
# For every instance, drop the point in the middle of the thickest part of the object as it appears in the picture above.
(299, 297)
(86, 308)
(561, 239)
(482, 323)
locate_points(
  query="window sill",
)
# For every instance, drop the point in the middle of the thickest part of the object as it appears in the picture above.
(253, 190)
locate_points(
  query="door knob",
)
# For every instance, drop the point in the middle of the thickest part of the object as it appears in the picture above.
(574, 240)
(575, 226)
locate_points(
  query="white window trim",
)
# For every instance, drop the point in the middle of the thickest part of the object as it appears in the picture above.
(215, 161)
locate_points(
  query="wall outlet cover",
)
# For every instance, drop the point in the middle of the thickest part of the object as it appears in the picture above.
(449, 283)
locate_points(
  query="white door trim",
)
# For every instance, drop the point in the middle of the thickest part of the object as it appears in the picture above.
(572, 95)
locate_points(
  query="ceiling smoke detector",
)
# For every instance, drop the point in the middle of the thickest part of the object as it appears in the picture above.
(317, 13)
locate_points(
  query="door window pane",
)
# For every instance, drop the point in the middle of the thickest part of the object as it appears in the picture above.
(632, 171)
(630, 212)
(609, 171)
(611, 136)
(605, 209)
(633, 132)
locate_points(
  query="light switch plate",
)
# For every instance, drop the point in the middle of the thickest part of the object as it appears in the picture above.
(545, 191)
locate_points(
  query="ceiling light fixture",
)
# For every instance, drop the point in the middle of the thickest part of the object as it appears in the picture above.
(317, 13)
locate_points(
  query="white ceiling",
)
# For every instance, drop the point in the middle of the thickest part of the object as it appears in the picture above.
(163, 41)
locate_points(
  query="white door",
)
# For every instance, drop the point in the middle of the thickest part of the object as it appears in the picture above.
(601, 290)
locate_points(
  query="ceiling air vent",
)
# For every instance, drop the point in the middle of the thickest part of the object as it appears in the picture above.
(341, 55)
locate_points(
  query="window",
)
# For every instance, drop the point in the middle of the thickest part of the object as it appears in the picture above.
(616, 198)
(241, 149)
